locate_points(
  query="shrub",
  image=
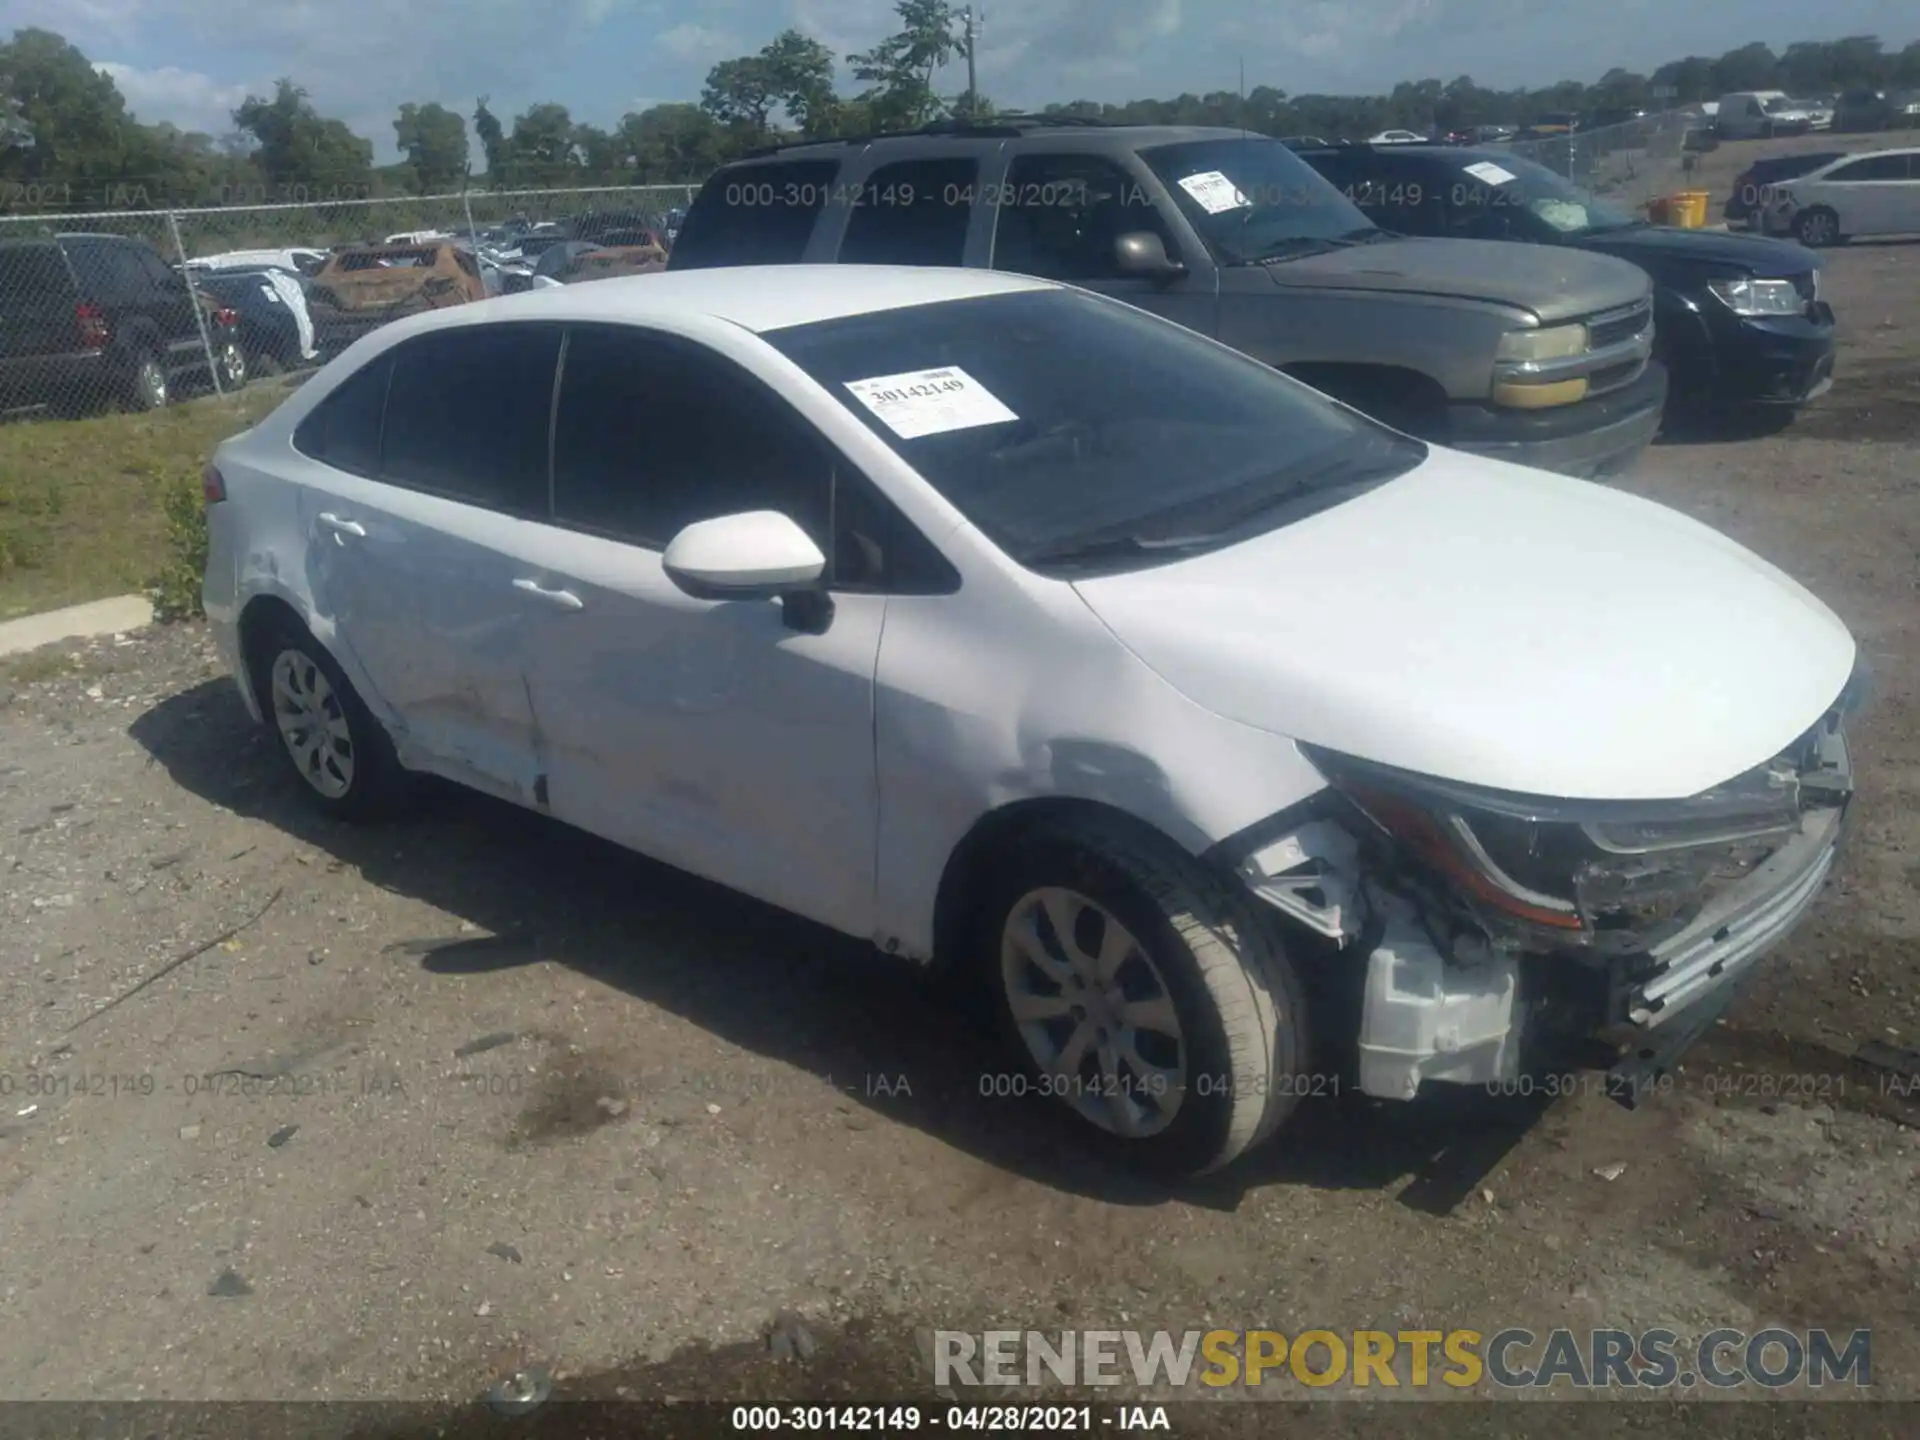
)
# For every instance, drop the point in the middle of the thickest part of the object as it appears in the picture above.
(175, 590)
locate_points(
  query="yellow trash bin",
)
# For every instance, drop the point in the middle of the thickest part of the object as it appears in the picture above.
(1693, 207)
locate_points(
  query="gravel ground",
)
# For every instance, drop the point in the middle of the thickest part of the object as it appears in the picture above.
(435, 1100)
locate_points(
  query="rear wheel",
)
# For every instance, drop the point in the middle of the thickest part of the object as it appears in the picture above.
(343, 758)
(146, 384)
(233, 365)
(1144, 993)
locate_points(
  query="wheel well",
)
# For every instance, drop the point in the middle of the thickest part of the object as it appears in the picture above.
(263, 616)
(956, 903)
(1391, 393)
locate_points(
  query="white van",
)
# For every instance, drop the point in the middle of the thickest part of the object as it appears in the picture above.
(1760, 114)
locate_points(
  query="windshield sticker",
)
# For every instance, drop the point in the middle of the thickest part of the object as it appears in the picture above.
(930, 402)
(1491, 173)
(1214, 192)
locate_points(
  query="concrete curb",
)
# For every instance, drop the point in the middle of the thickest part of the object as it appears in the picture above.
(75, 622)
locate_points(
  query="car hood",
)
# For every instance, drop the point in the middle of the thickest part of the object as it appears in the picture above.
(1554, 282)
(1667, 246)
(1497, 626)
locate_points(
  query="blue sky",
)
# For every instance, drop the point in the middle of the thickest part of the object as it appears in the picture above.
(190, 61)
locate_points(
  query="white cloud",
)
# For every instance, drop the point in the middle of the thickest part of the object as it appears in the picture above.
(187, 98)
(698, 42)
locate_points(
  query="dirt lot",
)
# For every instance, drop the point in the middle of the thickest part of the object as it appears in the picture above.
(471, 1091)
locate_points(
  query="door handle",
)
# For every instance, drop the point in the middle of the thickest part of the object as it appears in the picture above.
(559, 599)
(338, 526)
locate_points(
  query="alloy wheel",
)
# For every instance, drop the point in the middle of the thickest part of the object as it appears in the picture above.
(312, 724)
(1094, 1012)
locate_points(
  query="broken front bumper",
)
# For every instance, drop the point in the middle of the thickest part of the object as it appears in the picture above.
(1468, 1014)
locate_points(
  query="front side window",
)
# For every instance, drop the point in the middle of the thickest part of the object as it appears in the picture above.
(467, 415)
(912, 213)
(755, 215)
(1060, 214)
(1253, 200)
(1075, 431)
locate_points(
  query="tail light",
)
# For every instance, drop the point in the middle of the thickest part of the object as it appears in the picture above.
(226, 316)
(213, 485)
(92, 324)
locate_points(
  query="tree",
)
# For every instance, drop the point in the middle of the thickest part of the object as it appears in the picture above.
(669, 144)
(599, 152)
(739, 94)
(799, 73)
(434, 140)
(1751, 67)
(543, 144)
(299, 146)
(902, 66)
(66, 119)
(493, 142)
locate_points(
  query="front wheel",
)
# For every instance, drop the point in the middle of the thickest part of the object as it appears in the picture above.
(1146, 994)
(1817, 228)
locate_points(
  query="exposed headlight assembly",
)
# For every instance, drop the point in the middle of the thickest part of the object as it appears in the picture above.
(1612, 875)
(1552, 342)
(1758, 297)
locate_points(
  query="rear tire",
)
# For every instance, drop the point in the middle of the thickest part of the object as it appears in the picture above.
(341, 756)
(1145, 993)
(145, 387)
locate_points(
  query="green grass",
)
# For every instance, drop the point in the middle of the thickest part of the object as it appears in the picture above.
(81, 501)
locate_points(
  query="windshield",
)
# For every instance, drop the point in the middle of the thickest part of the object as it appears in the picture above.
(1253, 199)
(1079, 433)
(1774, 107)
(1511, 181)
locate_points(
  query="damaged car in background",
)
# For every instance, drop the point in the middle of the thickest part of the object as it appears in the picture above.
(363, 287)
(1234, 746)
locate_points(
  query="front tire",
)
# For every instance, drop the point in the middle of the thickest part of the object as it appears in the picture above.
(342, 758)
(146, 384)
(1146, 993)
(1817, 228)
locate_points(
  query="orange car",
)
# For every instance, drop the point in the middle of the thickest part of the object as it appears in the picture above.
(364, 287)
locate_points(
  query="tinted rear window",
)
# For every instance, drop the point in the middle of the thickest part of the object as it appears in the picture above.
(755, 215)
(29, 272)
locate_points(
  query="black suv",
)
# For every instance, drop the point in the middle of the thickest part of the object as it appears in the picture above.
(1738, 318)
(1542, 359)
(91, 320)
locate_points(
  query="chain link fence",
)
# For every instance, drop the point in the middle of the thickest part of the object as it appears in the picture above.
(1630, 165)
(133, 309)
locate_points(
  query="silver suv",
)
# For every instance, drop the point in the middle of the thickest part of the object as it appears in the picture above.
(1536, 356)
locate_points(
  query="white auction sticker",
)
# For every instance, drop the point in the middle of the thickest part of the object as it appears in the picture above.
(1214, 192)
(930, 402)
(1491, 173)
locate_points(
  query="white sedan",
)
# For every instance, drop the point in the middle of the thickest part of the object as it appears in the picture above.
(1242, 749)
(1875, 192)
(1397, 137)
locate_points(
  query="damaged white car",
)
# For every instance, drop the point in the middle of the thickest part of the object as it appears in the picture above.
(1244, 748)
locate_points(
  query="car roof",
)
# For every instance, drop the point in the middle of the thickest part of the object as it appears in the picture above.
(1082, 134)
(758, 298)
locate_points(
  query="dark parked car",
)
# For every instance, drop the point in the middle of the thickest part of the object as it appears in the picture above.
(1738, 318)
(1863, 111)
(1754, 185)
(1614, 115)
(91, 320)
(269, 329)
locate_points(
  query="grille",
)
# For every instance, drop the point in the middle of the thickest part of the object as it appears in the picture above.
(1618, 325)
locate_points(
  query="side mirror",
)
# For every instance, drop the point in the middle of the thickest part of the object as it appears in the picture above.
(758, 555)
(1143, 254)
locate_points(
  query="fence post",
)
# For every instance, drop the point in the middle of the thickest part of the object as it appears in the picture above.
(466, 204)
(199, 310)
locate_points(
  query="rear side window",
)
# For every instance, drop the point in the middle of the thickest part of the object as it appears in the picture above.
(467, 415)
(30, 273)
(1874, 167)
(755, 215)
(344, 429)
(912, 213)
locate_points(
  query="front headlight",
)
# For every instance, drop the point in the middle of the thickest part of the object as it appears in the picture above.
(1577, 874)
(1758, 297)
(1554, 342)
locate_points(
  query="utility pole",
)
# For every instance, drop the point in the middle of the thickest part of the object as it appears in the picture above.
(973, 89)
